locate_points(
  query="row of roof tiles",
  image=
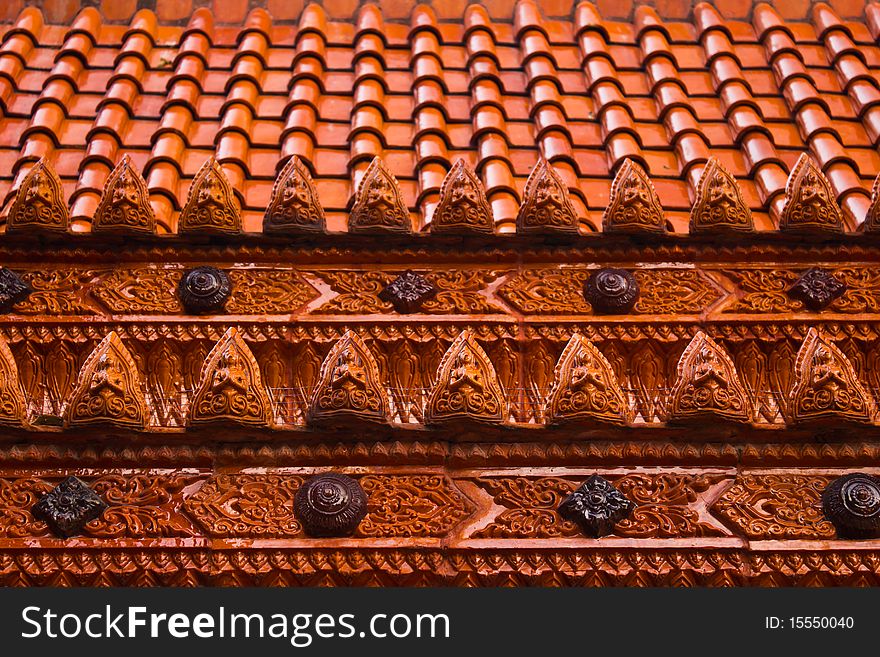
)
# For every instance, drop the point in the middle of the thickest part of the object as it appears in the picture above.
(586, 94)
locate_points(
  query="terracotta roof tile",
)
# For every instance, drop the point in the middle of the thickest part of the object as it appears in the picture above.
(499, 85)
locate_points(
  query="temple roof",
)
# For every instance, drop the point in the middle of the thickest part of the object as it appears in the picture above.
(597, 90)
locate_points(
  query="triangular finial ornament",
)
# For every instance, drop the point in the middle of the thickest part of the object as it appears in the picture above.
(584, 386)
(633, 206)
(39, 203)
(125, 204)
(13, 405)
(872, 219)
(230, 387)
(826, 385)
(466, 387)
(719, 205)
(463, 206)
(349, 385)
(810, 204)
(210, 206)
(707, 384)
(379, 205)
(108, 389)
(293, 205)
(546, 206)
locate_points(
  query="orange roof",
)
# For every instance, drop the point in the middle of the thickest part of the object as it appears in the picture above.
(497, 85)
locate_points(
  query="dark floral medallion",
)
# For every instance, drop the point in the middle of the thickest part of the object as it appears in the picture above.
(68, 507)
(852, 504)
(408, 292)
(611, 291)
(204, 289)
(596, 506)
(330, 505)
(12, 289)
(817, 289)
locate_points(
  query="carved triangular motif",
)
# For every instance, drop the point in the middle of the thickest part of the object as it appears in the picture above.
(466, 386)
(463, 206)
(39, 203)
(584, 386)
(633, 206)
(294, 206)
(125, 204)
(379, 205)
(13, 405)
(349, 385)
(546, 203)
(810, 204)
(230, 386)
(108, 389)
(707, 384)
(825, 384)
(719, 204)
(211, 206)
(872, 219)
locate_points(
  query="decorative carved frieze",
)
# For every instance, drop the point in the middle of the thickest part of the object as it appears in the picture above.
(349, 385)
(68, 507)
(294, 206)
(719, 204)
(463, 206)
(596, 506)
(230, 386)
(817, 288)
(379, 205)
(775, 506)
(810, 204)
(852, 504)
(204, 289)
(39, 203)
(57, 292)
(466, 386)
(330, 504)
(13, 406)
(825, 384)
(546, 206)
(211, 206)
(108, 389)
(707, 383)
(611, 291)
(585, 387)
(633, 206)
(125, 204)
(13, 289)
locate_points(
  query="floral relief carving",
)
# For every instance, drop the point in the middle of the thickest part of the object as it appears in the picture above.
(719, 203)
(463, 206)
(230, 387)
(13, 406)
(776, 506)
(707, 383)
(633, 205)
(211, 205)
(268, 291)
(39, 203)
(57, 292)
(584, 386)
(349, 385)
(810, 203)
(467, 386)
(546, 205)
(825, 384)
(125, 204)
(559, 291)
(294, 206)
(379, 205)
(142, 290)
(360, 292)
(108, 389)
(667, 506)
(261, 506)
